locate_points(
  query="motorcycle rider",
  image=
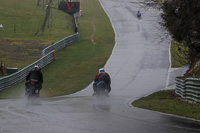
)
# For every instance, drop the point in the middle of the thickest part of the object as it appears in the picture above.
(102, 76)
(36, 75)
(138, 14)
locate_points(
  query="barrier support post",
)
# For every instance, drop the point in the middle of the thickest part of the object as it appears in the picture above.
(54, 55)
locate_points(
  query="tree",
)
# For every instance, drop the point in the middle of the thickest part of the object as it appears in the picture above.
(182, 19)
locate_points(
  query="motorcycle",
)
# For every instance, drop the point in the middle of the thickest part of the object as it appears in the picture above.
(102, 90)
(32, 89)
(139, 15)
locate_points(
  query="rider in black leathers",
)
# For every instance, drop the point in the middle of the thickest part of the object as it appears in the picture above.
(35, 74)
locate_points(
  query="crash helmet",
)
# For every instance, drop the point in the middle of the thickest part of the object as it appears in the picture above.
(37, 67)
(101, 70)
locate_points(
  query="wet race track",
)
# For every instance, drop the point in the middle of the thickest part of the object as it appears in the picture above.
(138, 66)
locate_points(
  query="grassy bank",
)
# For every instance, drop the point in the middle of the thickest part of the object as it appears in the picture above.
(177, 58)
(22, 19)
(21, 37)
(76, 65)
(168, 102)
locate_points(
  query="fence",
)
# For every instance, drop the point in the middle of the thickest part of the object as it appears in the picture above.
(47, 57)
(188, 88)
(61, 44)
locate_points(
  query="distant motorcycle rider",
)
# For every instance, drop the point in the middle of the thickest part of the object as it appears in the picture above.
(35, 75)
(102, 76)
(138, 14)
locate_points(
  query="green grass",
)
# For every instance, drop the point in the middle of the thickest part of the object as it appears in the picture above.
(168, 102)
(20, 53)
(77, 64)
(21, 19)
(176, 56)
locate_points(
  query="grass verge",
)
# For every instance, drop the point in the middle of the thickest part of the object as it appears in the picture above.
(167, 101)
(77, 64)
(176, 56)
(21, 20)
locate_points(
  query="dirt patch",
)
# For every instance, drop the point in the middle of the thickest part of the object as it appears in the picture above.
(19, 53)
(94, 29)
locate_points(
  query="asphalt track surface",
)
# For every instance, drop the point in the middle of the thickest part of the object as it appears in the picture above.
(139, 65)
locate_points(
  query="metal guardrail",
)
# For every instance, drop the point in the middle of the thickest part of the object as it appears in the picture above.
(61, 44)
(47, 57)
(20, 75)
(188, 88)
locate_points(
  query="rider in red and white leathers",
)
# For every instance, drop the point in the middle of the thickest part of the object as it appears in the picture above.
(102, 76)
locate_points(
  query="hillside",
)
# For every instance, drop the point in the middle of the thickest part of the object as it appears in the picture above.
(77, 64)
(21, 38)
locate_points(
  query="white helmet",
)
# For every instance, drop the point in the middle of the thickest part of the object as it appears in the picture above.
(101, 70)
(37, 67)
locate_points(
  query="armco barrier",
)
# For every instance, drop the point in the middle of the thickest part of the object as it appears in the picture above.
(61, 44)
(20, 75)
(47, 57)
(188, 88)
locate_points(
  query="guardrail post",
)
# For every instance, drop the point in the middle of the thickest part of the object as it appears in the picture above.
(54, 54)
